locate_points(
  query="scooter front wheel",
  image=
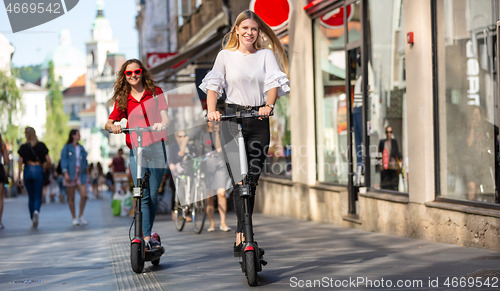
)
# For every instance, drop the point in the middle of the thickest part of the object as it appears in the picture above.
(136, 258)
(250, 268)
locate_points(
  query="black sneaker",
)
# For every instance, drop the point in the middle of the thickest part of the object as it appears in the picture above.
(147, 245)
(237, 250)
(155, 240)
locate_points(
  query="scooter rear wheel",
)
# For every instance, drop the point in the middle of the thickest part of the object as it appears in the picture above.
(136, 259)
(250, 268)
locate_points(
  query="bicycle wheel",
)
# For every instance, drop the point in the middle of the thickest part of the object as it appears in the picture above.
(199, 215)
(198, 208)
(179, 211)
(250, 268)
(136, 258)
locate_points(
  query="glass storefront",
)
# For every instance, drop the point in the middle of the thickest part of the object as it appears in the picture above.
(331, 102)
(386, 126)
(467, 98)
(386, 115)
(279, 156)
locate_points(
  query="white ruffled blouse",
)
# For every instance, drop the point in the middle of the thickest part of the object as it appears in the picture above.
(246, 78)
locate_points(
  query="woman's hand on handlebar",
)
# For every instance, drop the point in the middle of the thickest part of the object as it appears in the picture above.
(213, 116)
(115, 128)
(265, 111)
(159, 126)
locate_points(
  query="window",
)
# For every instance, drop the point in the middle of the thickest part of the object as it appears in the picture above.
(386, 126)
(331, 103)
(279, 157)
(467, 98)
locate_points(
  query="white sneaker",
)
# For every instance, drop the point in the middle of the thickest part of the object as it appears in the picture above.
(82, 220)
(34, 220)
(76, 222)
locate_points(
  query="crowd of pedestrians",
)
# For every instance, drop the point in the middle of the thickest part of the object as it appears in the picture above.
(45, 181)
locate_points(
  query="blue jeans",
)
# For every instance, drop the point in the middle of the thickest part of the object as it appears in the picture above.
(33, 180)
(149, 201)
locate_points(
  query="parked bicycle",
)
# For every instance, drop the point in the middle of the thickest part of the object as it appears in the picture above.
(190, 195)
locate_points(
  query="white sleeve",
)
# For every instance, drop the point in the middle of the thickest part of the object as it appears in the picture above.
(215, 80)
(274, 76)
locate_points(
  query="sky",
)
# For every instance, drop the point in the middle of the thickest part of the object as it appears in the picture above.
(33, 45)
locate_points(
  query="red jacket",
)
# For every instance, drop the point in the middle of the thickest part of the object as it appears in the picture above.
(145, 112)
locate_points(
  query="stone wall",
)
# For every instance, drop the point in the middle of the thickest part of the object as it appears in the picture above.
(440, 222)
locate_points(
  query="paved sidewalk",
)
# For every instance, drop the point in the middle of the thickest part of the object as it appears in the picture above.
(302, 255)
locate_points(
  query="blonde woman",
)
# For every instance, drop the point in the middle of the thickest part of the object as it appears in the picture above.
(32, 154)
(252, 70)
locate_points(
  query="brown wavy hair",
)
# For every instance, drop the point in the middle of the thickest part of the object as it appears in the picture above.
(121, 88)
(267, 38)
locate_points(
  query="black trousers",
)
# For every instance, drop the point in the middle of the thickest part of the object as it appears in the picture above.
(257, 135)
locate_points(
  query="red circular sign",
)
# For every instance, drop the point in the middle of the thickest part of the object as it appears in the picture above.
(335, 18)
(273, 12)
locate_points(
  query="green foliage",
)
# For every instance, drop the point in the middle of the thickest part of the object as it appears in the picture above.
(28, 73)
(57, 128)
(10, 95)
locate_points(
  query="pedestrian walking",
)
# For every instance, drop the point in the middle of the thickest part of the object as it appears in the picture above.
(33, 155)
(75, 170)
(4, 175)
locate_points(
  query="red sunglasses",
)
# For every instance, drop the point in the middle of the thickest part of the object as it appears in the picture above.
(137, 72)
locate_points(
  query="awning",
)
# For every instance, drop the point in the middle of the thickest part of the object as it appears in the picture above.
(178, 62)
(316, 8)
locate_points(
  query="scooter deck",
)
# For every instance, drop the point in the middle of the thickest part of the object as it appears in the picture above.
(154, 254)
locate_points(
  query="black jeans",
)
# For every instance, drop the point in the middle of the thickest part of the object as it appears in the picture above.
(256, 134)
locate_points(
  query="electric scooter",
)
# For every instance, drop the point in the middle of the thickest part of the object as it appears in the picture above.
(138, 253)
(252, 256)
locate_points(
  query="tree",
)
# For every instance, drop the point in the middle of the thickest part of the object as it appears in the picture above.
(10, 97)
(57, 128)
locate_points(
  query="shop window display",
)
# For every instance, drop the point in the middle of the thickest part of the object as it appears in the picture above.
(331, 103)
(386, 126)
(467, 97)
(279, 156)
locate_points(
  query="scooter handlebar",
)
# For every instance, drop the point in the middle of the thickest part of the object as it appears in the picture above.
(241, 115)
(136, 129)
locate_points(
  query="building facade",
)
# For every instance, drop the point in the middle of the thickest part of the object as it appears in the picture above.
(392, 121)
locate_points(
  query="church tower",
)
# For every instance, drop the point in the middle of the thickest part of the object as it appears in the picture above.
(100, 45)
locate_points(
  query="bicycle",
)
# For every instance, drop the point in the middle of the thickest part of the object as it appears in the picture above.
(252, 255)
(138, 253)
(195, 197)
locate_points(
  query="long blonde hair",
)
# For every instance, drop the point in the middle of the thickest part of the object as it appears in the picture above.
(31, 136)
(122, 88)
(267, 38)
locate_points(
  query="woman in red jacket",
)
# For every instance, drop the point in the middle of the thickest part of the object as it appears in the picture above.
(141, 102)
